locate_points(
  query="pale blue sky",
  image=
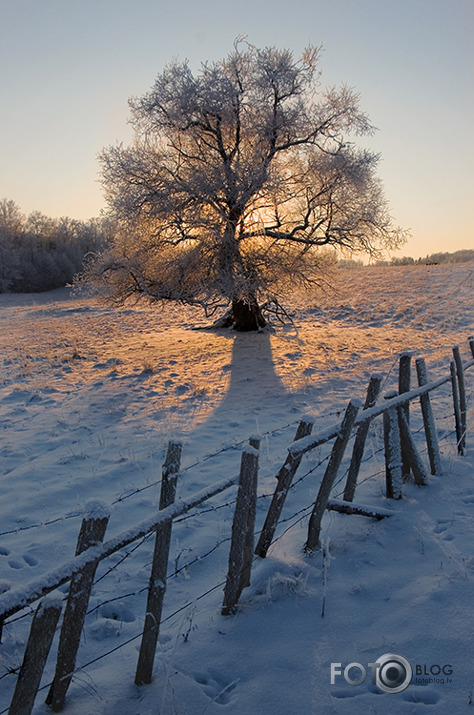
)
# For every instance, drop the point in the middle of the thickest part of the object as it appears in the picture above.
(68, 67)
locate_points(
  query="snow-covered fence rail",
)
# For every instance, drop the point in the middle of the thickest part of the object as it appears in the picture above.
(401, 453)
(401, 457)
(79, 571)
(15, 600)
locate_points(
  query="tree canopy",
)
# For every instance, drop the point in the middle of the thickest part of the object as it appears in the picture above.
(238, 177)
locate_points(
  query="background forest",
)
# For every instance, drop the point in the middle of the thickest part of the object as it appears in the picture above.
(38, 253)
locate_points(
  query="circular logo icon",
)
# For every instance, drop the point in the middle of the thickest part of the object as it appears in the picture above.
(394, 673)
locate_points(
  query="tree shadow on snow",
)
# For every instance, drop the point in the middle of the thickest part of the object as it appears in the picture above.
(256, 398)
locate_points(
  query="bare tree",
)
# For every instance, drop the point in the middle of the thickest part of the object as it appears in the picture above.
(237, 179)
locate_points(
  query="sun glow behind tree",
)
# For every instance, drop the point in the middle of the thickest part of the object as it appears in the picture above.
(237, 180)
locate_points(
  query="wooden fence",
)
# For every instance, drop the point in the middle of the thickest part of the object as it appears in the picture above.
(402, 459)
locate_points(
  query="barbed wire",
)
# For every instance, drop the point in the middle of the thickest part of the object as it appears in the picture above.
(227, 505)
(118, 500)
(299, 516)
(230, 503)
(19, 529)
(203, 460)
(173, 574)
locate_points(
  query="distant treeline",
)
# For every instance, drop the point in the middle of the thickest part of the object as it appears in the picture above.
(464, 256)
(38, 253)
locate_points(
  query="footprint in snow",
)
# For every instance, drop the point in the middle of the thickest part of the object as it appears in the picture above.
(30, 560)
(345, 693)
(15, 564)
(421, 694)
(442, 525)
(216, 686)
(19, 563)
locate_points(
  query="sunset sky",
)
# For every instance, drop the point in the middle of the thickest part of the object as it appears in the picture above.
(68, 67)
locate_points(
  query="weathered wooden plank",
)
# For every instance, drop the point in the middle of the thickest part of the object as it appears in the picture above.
(360, 439)
(335, 459)
(414, 460)
(159, 569)
(404, 385)
(462, 394)
(457, 408)
(16, 599)
(93, 529)
(343, 507)
(428, 420)
(393, 452)
(37, 649)
(285, 477)
(238, 572)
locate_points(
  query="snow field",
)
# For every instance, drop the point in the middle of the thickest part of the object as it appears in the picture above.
(89, 398)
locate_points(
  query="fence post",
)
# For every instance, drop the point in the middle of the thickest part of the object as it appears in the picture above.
(457, 409)
(409, 448)
(94, 525)
(36, 652)
(428, 420)
(285, 477)
(471, 344)
(361, 436)
(330, 475)
(239, 569)
(393, 451)
(250, 528)
(462, 395)
(157, 583)
(4, 587)
(404, 384)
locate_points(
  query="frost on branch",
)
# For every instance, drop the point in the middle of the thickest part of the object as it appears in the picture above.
(239, 179)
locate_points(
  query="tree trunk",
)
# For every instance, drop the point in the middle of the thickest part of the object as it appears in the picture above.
(247, 315)
(244, 316)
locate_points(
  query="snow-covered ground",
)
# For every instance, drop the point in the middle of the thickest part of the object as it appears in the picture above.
(89, 398)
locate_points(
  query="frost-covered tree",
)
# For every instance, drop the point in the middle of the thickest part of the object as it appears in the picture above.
(238, 176)
(10, 224)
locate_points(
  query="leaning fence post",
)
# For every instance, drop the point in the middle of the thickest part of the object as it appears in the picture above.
(285, 477)
(404, 383)
(157, 584)
(94, 525)
(457, 409)
(428, 420)
(330, 475)
(462, 394)
(36, 652)
(393, 451)
(409, 448)
(360, 439)
(239, 570)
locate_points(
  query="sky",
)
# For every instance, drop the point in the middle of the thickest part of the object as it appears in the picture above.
(68, 68)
